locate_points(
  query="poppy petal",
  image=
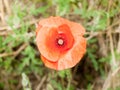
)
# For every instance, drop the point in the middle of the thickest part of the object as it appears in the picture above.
(49, 64)
(77, 29)
(74, 55)
(51, 22)
(38, 28)
(57, 21)
(43, 48)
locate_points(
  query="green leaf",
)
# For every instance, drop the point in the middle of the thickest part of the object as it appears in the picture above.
(64, 73)
(40, 10)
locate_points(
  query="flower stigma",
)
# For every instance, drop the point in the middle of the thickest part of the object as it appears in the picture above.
(60, 42)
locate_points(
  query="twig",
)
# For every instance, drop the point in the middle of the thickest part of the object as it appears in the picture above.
(3, 33)
(41, 83)
(115, 71)
(5, 28)
(20, 49)
(36, 75)
(118, 46)
(113, 63)
(107, 82)
(9, 28)
(6, 2)
(15, 53)
(92, 35)
(114, 24)
(2, 11)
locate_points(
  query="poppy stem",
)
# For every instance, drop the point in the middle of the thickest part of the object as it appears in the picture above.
(69, 76)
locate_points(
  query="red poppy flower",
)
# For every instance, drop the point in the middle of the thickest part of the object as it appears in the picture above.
(60, 42)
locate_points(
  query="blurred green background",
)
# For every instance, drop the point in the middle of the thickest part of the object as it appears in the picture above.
(20, 64)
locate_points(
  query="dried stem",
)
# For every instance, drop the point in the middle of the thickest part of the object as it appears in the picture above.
(2, 11)
(113, 61)
(15, 53)
(118, 46)
(6, 2)
(9, 28)
(41, 83)
(110, 77)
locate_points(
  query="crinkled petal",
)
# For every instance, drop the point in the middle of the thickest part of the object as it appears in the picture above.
(57, 21)
(74, 55)
(45, 50)
(49, 63)
(77, 29)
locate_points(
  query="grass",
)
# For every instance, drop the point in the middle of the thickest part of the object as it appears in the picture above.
(99, 69)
